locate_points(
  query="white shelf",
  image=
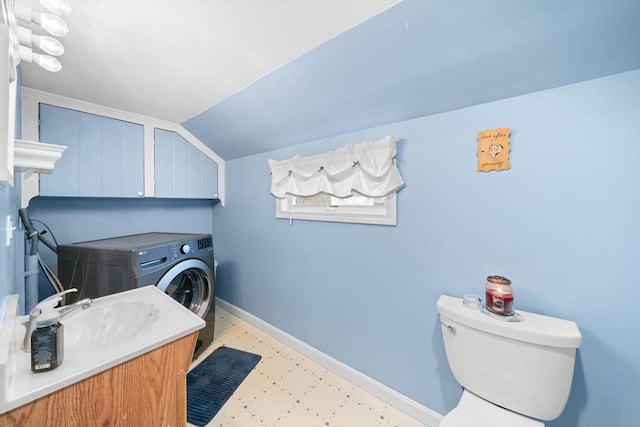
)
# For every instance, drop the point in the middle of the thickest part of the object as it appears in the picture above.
(36, 157)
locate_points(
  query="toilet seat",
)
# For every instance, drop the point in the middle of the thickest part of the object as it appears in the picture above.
(473, 411)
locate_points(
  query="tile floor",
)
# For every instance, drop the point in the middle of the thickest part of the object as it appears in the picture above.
(287, 389)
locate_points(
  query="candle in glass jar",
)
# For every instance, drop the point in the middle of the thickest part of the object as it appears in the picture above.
(499, 295)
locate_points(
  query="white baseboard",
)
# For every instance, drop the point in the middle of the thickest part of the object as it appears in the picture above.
(381, 391)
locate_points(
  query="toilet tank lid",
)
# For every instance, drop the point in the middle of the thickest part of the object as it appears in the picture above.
(535, 329)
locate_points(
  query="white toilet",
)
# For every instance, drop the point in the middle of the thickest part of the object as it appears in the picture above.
(513, 373)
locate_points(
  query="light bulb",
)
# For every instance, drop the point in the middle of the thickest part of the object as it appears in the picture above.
(58, 7)
(49, 45)
(47, 62)
(45, 43)
(52, 24)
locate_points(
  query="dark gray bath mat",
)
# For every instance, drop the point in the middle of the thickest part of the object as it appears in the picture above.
(213, 381)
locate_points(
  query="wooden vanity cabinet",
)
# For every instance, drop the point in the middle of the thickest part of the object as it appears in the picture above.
(150, 390)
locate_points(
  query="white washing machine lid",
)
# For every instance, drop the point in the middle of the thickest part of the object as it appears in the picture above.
(472, 411)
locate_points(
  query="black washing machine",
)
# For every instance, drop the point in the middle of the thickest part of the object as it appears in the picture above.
(181, 265)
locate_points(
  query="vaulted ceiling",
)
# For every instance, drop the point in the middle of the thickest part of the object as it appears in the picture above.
(249, 76)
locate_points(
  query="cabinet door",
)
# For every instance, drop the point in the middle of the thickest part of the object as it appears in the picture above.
(181, 170)
(150, 390)
(104, 157)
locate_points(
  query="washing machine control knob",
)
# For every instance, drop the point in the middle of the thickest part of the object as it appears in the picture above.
(185, 249)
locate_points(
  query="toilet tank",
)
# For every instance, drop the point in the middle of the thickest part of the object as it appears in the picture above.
(526, 367)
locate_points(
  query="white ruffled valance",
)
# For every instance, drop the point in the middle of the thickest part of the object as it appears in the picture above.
(367, 167)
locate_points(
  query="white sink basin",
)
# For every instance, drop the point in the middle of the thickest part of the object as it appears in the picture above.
(109, 324)
(113, 330)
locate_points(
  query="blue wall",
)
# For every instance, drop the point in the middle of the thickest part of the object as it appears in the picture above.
(562, 224)
(9, 204)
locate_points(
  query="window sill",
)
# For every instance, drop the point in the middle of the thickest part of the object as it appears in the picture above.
(356, 215)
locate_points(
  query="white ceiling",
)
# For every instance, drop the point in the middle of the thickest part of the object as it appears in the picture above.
(172, 59)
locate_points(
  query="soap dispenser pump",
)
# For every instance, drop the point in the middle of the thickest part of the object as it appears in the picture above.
(47, 339)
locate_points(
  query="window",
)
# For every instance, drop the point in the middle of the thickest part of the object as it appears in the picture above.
(355, 183)
(326, 207)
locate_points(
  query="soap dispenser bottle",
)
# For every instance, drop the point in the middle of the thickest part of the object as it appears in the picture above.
(47, 340)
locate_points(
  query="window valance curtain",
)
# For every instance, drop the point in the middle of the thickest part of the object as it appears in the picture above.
(367, 167)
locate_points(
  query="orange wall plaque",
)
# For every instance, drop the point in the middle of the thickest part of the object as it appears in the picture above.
(494, 149)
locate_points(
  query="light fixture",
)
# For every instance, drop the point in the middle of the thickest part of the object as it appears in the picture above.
(44, 43)
(53, 24)
(24, 40)
(47, 62)
(57, 7)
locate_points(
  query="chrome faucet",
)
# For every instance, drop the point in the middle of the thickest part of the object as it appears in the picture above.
(51, 301)
(68, 309)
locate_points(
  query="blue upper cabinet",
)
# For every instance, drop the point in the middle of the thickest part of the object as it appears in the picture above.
(181, 170)
(109, 157)
(104, 158)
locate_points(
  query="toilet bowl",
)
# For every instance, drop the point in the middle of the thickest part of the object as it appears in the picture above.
(473, 411)
(514, 374)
